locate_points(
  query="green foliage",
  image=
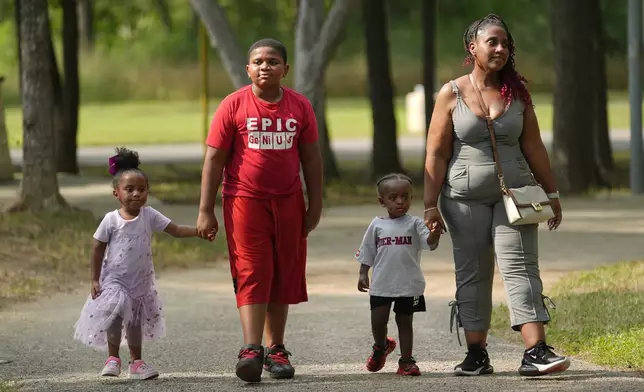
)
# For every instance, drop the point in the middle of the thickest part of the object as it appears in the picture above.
(598, 315)
(137, 57)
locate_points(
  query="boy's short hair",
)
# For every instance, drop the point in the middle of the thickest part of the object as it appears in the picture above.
(270, 43)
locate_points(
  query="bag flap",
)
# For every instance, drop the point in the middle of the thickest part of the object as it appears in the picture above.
(527, 195)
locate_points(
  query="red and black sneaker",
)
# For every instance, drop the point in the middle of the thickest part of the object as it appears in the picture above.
(277, 362)
(377, 359)
(407, 367)
(249, 366)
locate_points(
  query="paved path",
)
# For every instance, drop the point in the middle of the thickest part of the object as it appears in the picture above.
(330, 335)
(410, 147)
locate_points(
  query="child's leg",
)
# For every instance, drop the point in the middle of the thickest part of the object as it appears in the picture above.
(379, 320)
(114, 337)
(134, 342)
(405, 333)
(405, 309)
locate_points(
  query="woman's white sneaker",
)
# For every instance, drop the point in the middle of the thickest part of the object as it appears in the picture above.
(112, 367)
(139, 370)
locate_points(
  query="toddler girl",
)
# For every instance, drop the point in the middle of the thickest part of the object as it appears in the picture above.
(123, 305)
(392, 247)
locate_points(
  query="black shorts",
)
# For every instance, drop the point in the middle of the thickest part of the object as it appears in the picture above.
(402, 305)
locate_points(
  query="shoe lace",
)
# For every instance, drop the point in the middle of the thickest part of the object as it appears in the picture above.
(248, 353)
(455, 320)
(280, 356)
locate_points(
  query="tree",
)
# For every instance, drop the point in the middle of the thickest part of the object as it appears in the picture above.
(316, 39)
(86, 24)
(67, 92)
(428, 21)
(574, 96)
(601, 132)
(384, 158)
(39, 185)
(315, 45)
(6, 167)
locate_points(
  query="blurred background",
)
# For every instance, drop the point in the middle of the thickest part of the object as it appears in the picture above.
(151, 73)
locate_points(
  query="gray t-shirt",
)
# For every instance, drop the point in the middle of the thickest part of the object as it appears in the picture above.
(392, 247)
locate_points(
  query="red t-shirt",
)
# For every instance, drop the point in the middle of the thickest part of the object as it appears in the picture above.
(263, 140)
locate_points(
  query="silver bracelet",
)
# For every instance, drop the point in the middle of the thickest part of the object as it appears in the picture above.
(430, 208)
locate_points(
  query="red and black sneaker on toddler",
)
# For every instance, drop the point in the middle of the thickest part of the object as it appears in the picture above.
(379, 355)
(407, 366)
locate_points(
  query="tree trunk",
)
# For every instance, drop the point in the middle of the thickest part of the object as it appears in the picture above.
(39, 185)
(6, 166)
(86, 24)
(384, 158)
(573, 141)
(66, 141)
(603, 148)
(223, 39)
(312, 27)
(428, 20)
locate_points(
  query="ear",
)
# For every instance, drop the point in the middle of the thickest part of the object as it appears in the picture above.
(115, 193)
(287, 67)
(248, 71)
(472, 48)
(382, 202)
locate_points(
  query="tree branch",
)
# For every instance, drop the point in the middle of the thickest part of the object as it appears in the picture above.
(223, 39)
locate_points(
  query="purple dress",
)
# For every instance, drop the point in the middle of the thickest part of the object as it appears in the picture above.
(127, 280)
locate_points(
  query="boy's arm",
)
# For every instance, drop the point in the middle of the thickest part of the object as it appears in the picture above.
(311, 158)
(212, 172)
(181, 231)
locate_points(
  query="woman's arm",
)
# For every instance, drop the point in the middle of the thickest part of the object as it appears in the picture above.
(439, 145)
(535, 152)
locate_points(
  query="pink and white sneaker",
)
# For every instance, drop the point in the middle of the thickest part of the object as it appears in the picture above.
(140, 370)
(112, 367)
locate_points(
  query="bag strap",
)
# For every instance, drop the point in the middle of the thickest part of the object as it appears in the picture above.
(490, 127)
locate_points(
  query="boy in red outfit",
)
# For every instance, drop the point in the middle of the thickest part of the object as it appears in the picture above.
(258, 137)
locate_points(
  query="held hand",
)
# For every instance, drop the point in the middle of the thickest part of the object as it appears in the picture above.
(434, 221)
(207, 225)
(95, 289)
(363, 283)
(555, 221)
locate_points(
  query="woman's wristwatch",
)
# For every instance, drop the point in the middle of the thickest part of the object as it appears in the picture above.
(554, 195)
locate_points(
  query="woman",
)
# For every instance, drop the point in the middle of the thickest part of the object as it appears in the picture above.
(460, 172)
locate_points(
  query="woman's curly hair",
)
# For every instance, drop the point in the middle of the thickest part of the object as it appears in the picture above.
(512, 83)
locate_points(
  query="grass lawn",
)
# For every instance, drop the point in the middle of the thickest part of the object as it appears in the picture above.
(598, 317)
(178, 122)
(45, 253)
(8, 386)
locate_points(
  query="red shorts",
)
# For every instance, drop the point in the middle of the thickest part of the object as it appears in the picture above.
(267, 248)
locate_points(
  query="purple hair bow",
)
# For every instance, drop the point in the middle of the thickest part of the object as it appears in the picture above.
(112, 162)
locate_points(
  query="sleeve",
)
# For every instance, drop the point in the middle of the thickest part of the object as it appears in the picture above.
(157, 220)
(222, 127)
(423, 233)
(104, 230)
(309, 132)
(366, 254)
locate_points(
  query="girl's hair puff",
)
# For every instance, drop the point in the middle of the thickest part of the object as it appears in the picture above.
(124, 161)
(512, 83)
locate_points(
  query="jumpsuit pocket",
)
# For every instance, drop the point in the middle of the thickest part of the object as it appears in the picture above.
(483, 182)
(456, 181)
